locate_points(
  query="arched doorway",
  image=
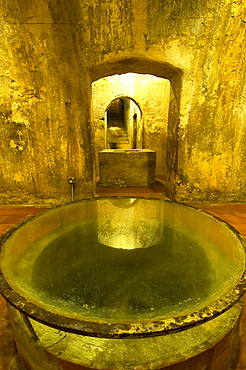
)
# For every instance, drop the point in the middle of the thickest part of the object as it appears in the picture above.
(138, 107)
(168, 146)
(123, 124)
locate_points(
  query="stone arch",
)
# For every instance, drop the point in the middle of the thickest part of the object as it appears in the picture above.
(163, 70)
(128, 97)
(130, 122)
(142, 66)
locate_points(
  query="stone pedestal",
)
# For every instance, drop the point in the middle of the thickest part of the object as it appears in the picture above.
(130, 167)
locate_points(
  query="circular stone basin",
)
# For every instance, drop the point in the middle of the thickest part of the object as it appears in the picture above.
(123, 267)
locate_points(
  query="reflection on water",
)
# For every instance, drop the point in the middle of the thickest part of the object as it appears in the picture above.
(128, 224)
(85, 276)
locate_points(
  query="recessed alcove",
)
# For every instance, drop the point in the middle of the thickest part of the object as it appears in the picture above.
(149, 94)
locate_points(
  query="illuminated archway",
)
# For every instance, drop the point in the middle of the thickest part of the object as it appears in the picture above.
(168, 146)
(123, 115)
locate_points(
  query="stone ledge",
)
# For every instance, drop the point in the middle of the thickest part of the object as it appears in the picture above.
(130, 167)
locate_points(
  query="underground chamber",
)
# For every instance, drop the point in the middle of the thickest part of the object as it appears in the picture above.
(124, 283)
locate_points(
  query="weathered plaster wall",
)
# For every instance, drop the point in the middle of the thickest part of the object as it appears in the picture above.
(51, 52)
(45, 114)
(210, 164)
(211, 155)
(155, 102)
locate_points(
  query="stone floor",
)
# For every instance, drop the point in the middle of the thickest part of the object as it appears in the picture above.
(235, 214)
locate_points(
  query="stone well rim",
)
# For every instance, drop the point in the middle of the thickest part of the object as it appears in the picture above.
(104, 329)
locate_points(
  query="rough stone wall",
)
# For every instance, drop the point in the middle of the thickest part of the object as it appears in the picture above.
(211, 153)
(45, 114)
(155, 102)
(50, 53)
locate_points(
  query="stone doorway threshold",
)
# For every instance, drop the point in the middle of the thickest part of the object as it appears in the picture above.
(157, 190)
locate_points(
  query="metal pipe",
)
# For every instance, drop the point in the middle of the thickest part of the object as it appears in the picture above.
(71, 182)
(71, 188)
